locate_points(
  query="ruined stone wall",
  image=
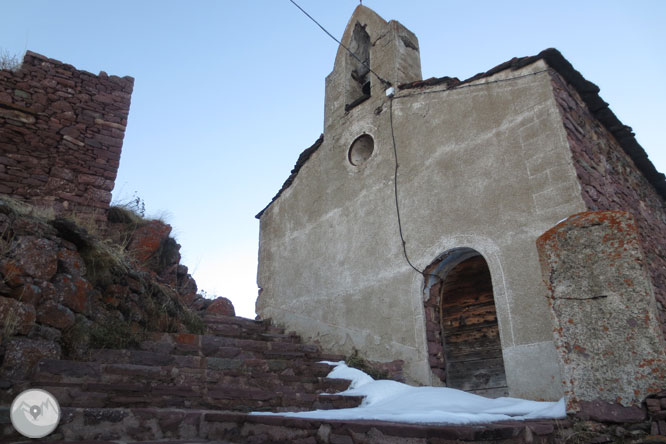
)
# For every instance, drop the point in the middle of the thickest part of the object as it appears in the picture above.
(61, 134)
(610, 180)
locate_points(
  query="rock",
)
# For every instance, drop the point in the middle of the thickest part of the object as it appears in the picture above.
(222, 306)
(171, 253)
(43, 332)
(22, 354)
(73, 233)
(37, 257)
(601, 411)
(15, 317)
(653, 404)
(12, 274)
(34, 292)
(28, 292)
(70, 262)
(115, 293)
(147, 239)
(55, 315)
(73, 292)
(198, 302)
(5, 290)
(188, 298)
(186, 286)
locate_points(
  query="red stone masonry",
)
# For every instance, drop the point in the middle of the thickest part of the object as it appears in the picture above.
(61, 134)
(610, 180)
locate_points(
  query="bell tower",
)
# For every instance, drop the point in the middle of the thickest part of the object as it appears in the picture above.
(386, 49)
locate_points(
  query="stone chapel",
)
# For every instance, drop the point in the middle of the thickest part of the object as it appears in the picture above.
(503, 234)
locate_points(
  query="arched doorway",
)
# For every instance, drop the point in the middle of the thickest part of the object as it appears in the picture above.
(461, 324)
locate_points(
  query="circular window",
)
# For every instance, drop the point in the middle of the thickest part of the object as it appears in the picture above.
(361, 149)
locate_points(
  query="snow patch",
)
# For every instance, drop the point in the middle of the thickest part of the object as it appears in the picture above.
(394, 401)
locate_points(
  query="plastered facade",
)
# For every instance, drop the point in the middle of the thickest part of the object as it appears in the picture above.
(483, 165)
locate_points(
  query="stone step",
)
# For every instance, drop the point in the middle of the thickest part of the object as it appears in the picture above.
(218, 397)
(239, 365)
(76, 372)
(197, 425)
(187, 344)
(244, 324)
(235, 331)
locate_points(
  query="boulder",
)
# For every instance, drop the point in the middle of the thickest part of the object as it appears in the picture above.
(147, 239)
(55, 315)
(35, 256)
(22, 354)
(15, 317)
(221, 306)
(73, 292)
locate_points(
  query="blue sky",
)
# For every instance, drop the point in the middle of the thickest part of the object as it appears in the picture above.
(228, 94)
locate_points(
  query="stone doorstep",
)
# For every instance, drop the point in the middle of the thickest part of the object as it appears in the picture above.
(214, 426)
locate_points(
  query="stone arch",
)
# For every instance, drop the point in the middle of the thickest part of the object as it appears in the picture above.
(462, 331)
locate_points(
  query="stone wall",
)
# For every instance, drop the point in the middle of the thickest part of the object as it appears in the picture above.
(610, 180)
(604, 313)
(65, 288)
(61, 134)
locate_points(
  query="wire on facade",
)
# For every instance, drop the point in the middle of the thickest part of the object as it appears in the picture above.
(395, 188)
(397, 204)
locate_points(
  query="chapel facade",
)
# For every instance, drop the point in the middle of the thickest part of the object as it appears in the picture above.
(504, 234)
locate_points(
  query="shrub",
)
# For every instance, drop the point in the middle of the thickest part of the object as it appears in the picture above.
(360, 363)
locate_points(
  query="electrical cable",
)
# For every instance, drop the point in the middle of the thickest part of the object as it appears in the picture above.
(395, 188)
(397, 204)
(385, 82)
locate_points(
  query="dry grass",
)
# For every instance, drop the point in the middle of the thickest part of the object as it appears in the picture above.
(9, 205)
(10, 324)
(9, 61)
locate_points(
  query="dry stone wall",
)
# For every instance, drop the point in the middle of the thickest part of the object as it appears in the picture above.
(610, 180)
(61, 134)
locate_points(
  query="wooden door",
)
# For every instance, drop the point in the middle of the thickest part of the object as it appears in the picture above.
(472, 348)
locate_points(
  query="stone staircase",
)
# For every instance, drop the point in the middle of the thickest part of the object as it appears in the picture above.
(200, 388)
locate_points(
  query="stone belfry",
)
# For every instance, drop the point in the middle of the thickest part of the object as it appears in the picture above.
(386, 49)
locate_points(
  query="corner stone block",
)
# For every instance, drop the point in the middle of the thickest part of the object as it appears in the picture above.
(604, 311)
